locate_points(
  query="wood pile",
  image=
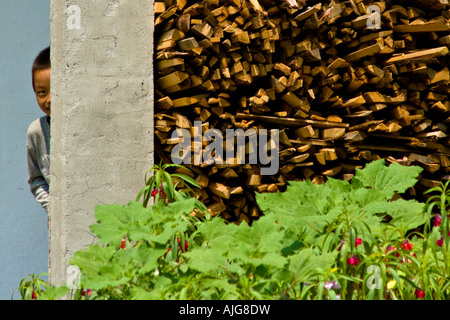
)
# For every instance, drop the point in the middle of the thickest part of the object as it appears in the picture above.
(341, 91)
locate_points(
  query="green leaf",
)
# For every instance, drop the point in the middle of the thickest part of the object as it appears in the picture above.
(304, 208)
(117, 271)
(205, 260)
(216, 232)
(388, 180)
(169, 230)
(178, 208)
(187, 179)
(164, 221)
(53, 293)
(265, 235)
(168, 186)
(374, 207)
(145, 258)
(406, 215)
(305, 264)
(139, 293)
(93, 258)
(311, 211)
(259, 244)
(115, 221)
(96, 266)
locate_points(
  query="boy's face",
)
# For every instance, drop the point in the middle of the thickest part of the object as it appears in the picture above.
(42, 89)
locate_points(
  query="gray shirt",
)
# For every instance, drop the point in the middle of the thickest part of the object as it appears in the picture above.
(38, 156)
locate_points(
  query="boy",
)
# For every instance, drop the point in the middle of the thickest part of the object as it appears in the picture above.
(38, 134)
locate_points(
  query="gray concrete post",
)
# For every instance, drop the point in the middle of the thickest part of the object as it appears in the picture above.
(102, 115)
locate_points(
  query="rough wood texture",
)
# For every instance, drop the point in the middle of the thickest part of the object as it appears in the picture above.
(340, 93)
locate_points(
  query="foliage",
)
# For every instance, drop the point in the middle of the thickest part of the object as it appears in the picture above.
(381, 252)
(338, 240)
(31, 287)
(168, 187)
(34, 287)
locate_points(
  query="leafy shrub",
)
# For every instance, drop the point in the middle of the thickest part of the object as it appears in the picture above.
(31, 287)
(337, 240)
(168, 187)
(370, 231)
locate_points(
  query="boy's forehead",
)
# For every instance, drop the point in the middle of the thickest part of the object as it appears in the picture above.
(41, 74)
(41, 70)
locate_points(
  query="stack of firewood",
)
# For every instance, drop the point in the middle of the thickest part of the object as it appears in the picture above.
(345, 82)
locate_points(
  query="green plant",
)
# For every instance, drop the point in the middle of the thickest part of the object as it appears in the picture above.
(435, 254)
(160, 185)
(31, 286)
(34, 287)
(133, 244)
(337, 240)
(440, 202)
(358, 219)
(165, 186)
(373, 228)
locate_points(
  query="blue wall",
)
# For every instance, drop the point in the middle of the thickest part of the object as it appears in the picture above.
(24, 31)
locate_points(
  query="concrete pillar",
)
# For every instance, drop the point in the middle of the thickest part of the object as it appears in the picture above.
(102, 115)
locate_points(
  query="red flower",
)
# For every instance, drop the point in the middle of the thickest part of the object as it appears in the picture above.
(390, 248)
(407, 245)
(160, 190)
(123, 244)
(86, 292)
(186, 245)
(358, 241)
(353, 260)
(437, 220)
(419, 293)
(33, 295)
(440, 242)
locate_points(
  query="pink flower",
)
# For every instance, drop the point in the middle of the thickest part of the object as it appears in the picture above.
(353, 260)
(437, 220)
(332, 285)
(358, 241)
(440, 242)
(419, 293)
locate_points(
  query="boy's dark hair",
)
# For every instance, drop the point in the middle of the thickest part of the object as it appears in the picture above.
(41, 62)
